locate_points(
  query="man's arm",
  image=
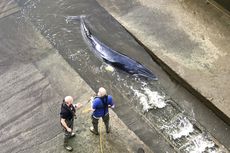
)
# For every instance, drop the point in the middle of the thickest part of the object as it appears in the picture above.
(65, 125)
(93, 103)
(111, 102)
(92, 108)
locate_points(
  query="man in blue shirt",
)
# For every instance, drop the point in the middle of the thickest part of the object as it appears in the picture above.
(100, 108)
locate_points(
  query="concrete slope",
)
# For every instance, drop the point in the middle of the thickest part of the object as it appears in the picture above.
(34, 80)
(8, 7)
(191, 44)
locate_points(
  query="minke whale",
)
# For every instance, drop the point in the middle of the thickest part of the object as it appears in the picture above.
(115, 58)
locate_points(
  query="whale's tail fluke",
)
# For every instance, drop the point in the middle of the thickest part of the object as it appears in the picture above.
(84, 28)
(69, 19)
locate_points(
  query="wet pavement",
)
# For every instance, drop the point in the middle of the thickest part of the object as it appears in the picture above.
(190, 43)
(223, 3)
(149, 108)
(34, 80)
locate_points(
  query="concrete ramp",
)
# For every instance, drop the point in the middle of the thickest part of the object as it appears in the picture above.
(189, 39)
(34, 80)
(8, 7)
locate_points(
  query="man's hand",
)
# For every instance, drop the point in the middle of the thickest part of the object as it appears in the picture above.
(78, 105)
(65, 125)
(69, 129)
(91, 99)
(111, 106)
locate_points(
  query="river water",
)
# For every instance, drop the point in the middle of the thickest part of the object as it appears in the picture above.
(145, 106)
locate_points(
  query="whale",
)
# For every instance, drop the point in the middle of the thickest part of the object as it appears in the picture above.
(114, 58)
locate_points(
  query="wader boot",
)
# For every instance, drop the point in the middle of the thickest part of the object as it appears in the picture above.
(68, 135)
(94, 129)
(66, 139)
(106, 122)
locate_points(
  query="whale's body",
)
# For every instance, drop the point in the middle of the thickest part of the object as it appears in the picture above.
(114, 58)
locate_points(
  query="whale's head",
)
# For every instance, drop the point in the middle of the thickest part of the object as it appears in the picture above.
(144, 72)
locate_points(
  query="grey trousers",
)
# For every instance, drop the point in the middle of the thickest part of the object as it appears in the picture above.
(67, 135)
(105, 120)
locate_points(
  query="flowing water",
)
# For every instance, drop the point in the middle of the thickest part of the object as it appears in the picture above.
(58, 21)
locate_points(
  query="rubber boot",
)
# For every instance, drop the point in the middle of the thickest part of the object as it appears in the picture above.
(94, 129)
(66, 146)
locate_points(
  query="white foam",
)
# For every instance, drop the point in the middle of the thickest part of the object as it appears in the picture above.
(179, 127)
(200, 143)
(150, 99)
(155, 99)
(182, 129)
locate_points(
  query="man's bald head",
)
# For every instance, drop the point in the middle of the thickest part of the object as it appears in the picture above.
(68, 100)
(101, 92)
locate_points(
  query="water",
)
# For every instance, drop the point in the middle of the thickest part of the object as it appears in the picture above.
(179, 127)
(199, 144)
(149, 97)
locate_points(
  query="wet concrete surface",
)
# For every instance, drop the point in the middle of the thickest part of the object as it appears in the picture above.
(49, 17)
(68, 40)
(196, 46)
(224, 3)
(112, 37)
(34, 80)
(182, 24)
(80, 57)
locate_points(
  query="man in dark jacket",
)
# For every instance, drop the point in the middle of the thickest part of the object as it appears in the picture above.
(67, 119)
(100, 108)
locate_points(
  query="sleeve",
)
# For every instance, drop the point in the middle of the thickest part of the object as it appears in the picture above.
(73, 109)
(63, 115)
(94, 106)
(110, 101)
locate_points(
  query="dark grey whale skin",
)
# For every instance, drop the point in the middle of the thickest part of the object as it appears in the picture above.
(114, 58)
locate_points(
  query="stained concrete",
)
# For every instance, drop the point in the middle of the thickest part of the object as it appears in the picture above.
(190, 39)
(8, 7)
(34, 80)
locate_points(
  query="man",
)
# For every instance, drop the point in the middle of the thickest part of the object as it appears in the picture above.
(100, 106)
(67, 115)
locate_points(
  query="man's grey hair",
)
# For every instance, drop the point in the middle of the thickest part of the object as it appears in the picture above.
(101, 92)
(68, 99)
